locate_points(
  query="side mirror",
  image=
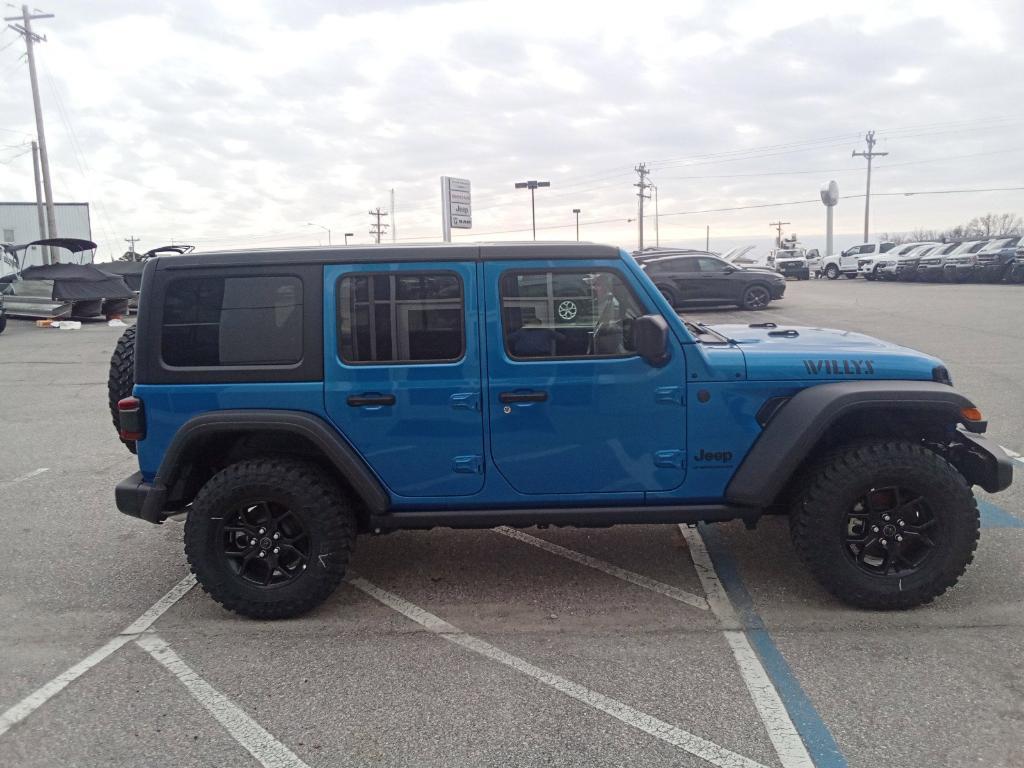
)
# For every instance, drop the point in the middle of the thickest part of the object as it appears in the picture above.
(728, 270)
(650, 335)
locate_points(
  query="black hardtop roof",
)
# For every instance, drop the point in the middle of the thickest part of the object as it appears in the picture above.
(372, 254)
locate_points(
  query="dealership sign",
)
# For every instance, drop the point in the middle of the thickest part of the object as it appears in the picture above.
(456, 205)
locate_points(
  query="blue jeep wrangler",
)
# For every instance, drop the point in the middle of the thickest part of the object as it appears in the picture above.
(283, 401)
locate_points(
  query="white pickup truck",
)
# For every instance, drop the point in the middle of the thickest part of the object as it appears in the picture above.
(848, 262)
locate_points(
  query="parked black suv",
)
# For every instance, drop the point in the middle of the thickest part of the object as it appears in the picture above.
(696, 277)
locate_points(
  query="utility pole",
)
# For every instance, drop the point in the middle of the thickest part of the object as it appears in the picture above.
(39, 199)
(131, 247)
(31, 38)
(642, 186)
(869, 139)
(532, 185)
(778, 228)
(577, 212)
(377, 228)
(707, 237)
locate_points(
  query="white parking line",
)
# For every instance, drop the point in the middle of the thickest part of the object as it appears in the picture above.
(257, 740)
(668, 590)
(36, 699)
(783, 734)
(20, 478)
(677, 737)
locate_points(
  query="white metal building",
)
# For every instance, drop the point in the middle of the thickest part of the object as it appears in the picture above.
(19, 223)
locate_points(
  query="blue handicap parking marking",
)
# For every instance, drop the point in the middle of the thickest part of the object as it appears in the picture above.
(996, 517)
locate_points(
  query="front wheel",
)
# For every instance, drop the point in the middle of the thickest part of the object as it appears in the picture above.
(756, 297)
(885, 525)
(270, 538)
(832, 272)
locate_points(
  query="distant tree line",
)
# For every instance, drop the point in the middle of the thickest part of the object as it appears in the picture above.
(989, 225)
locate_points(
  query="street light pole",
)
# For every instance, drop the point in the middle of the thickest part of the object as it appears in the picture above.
(348, 235)
(577, 212)
(325, 229)
(532, 185)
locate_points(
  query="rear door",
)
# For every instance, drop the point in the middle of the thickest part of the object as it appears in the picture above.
(402, 372)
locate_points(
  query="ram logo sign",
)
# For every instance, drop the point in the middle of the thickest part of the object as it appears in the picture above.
(840, 367)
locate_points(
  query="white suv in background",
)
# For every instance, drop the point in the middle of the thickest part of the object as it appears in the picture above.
(848, 262)
(884, 266)
(903, 265)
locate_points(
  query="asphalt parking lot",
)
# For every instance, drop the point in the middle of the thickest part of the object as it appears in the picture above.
(629, 646)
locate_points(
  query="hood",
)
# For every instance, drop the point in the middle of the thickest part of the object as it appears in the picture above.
(793, 352)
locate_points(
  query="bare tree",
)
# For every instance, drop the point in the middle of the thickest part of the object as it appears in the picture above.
(993, 224)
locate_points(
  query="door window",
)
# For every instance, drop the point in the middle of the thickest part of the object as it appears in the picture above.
(400, 318)
(710, 265)
(567, 314)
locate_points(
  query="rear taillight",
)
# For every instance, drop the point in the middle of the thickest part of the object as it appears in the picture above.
(132, 419)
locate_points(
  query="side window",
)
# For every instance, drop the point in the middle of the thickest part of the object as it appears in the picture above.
(888, 247)
(710, 265)
(232, 321)
(685, 265)
(398, 317)
(567, 314)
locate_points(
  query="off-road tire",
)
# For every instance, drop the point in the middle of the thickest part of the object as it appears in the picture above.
(311, 495)
(832, 272)
(831, 488)
(121, 379)
(756, 297)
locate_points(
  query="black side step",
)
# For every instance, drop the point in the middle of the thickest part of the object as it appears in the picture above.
(582, 517)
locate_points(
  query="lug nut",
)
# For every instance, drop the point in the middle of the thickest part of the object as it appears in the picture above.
(277, 536)
(883, 542)
(262, 553)
(884, 517)
(899, 538)
(276, 550)
(900, 523)
(262, 531)
(252, 542)
(874, 529)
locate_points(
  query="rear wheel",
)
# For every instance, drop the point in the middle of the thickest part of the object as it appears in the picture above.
(270, 538)
(832, 272)
(670, 295)
(121, 379)
(885, 525)
(756, 297)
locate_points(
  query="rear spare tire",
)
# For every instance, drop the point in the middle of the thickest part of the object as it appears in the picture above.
(121, 379)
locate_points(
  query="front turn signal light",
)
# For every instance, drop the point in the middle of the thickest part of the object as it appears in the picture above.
(971, 414)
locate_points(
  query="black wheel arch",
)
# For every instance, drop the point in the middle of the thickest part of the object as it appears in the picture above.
(821, 417)
(209, 442)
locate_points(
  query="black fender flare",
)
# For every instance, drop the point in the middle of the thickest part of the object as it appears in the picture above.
(335, 450)
(797, 426)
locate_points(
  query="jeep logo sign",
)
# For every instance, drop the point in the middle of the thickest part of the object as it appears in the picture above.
(841, 367)
(723, 457)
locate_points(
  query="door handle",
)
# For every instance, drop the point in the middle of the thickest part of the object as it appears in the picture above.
(523, 397)
(357, 400)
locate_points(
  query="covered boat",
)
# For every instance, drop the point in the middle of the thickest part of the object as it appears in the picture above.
(63, 289)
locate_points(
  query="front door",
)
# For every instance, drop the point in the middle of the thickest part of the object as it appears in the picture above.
(402, 373)
(571, 407)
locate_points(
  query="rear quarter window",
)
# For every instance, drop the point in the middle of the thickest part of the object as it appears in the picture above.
(214, 321)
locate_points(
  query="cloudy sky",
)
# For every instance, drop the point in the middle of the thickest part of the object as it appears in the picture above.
(233, 124)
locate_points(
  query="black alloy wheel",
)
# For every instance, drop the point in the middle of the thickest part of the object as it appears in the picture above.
(265, 543)
(756, 297)
(832, 272)
(890, 532)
